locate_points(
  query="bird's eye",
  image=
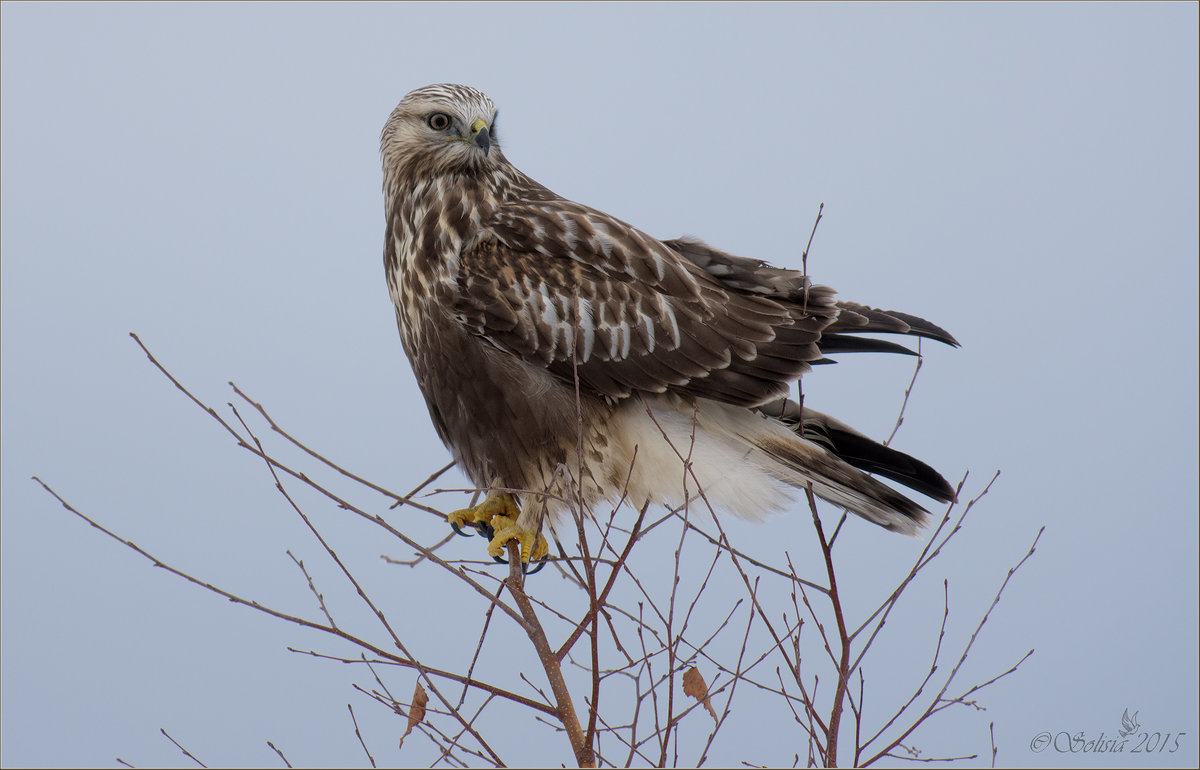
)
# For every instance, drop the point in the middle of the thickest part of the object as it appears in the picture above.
(439, 121)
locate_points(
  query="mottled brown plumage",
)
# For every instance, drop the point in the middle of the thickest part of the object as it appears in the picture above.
(507, 295)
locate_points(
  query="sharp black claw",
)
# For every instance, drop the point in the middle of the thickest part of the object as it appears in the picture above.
(481, 529)
(537, 566)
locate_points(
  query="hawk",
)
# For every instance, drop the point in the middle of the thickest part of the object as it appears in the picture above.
(566, 355)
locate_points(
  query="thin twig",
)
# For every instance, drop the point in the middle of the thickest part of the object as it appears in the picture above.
(907, 393)
(312, 587)
(186, 753)
(358, 733)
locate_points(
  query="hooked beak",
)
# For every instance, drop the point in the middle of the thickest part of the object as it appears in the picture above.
(480, 136)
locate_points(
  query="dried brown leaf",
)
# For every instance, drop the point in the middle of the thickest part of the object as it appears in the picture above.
(695, 686)
(416, 714)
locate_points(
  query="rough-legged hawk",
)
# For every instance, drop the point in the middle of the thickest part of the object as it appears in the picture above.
(539, 328)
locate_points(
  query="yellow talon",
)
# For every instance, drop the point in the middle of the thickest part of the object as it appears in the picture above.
(533, 544)
(495, 504)
(500, 512)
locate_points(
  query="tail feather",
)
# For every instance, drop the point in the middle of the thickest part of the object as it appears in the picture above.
(871, 456)
(836, 459)
(833, 479)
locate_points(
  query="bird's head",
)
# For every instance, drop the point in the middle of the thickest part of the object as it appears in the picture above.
(441, 129)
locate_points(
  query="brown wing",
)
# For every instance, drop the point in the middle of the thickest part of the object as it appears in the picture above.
(562, 281)
(758, 277)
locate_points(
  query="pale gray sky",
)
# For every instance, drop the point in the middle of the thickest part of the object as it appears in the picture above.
(207, 175)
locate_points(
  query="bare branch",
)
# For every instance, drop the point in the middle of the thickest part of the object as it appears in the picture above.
(550, 662)
(644, 640)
